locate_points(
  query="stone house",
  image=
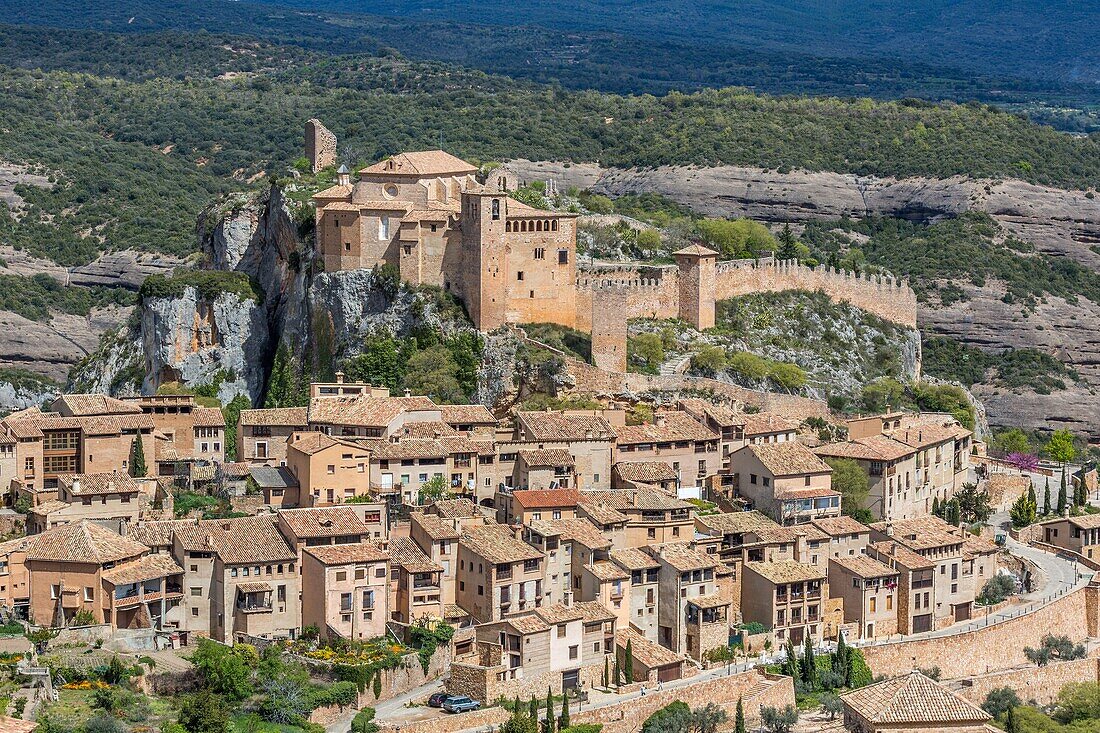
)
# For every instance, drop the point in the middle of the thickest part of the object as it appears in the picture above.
(108, 498)
(692, 617)
(676, 438)
(641, 605)
(14, 580)
(738, 429)
(324, 526)
(652, 516)
(652, 663)
(406, 465)
(645, 474)
(345, 590)
(438, 539)
(587, 436)
(277, 484)
(498, 573)
(916, 586)
(577, 561)
(552, 468)
(868, 588)
(523, 506)
(787, 597)
(786, 481)
(1076, 534)
(914, 703)
(416, 583)
(611, 522)
(331, 470)
(262, 435)
(847, 537)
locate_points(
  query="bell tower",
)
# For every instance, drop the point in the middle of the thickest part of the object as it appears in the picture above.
(485, 260)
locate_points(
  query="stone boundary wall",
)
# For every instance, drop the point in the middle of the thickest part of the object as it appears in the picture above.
(628, 716)
(654, 291)
(488, 717)
(1038, 684)
(996, 647)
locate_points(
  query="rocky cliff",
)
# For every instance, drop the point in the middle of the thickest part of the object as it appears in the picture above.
(1059, 223)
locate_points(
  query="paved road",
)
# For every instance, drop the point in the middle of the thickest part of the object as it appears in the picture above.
(388, 709)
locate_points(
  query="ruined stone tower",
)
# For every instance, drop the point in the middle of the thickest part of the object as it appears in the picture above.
(696, 264)
(320, 146)
(609, 329)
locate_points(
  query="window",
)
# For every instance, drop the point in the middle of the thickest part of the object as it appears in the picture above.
(341, 575)
(563, 254)
(55, 590)
(196, 591)
(194, 612)
(496, 209)
(561, 631)
(282, 594)
(519, 275)
(331, 469)
(383, 227)
(540, 253)
(573, 652)
(753, 479)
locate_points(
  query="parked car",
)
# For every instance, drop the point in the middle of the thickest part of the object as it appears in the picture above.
(436, 700)
(460, 704)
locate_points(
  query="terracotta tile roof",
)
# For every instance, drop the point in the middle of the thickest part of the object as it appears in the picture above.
(912, 699)
(696, 250)
(363, 410)
(348, 554)
(414, 448)
(254, 587)
(546, 498)
(786, 571)
(330, 521)
(778, 534)
(96, 404)
(605, 570)
(973, 546)
(467, 415)
(435, 526)
(142, 569)
(547, 458)
(497, 544)
(407, 554)
(1084, 521)
(559, 613)
(428, 429)
(208, 417)
(872, 448)
(455, 509)
(722, 415)
(334, 192)
(82, 542)
(158, 533)
(423, 163)
(840, 526)
(598, 512)
(920, 533)
(94, 484)
(312, 443)
(682, 557)
(527, 624)
(667, 427)
(291, 417)
(634, 558)
(30, 424)
(594, 611)
(238, 541)
(863, 566)
(927, 435)
(554, 426)
(646, 472)
(804, 492)
(901, 555)
(733, 522)
(580, 529)
(712, 601)
(648, 653)
(788, 459)
(766, 423)
(49, 507)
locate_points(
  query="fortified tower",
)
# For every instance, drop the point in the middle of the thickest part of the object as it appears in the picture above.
(696, 264)
(320, 146)
(485, 257)
(609, 329)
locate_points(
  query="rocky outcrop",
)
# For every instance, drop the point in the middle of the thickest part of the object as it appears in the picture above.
(51, 348)
(195, 341)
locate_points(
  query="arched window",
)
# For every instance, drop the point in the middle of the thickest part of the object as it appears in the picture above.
(496, 209)
(554, 225)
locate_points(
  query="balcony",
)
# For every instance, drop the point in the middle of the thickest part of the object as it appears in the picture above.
(254, 607)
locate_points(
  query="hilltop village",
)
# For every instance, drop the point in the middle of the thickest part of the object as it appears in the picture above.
(613, 566)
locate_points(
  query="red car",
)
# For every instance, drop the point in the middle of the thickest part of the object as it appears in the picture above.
(436, 700)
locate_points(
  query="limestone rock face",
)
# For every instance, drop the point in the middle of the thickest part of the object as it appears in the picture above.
(195, 341)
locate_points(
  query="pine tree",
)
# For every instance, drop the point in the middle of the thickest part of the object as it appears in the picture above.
(628, 662)
(739, 718)
(792, 660)
(548, 721)
(809, 664)
(1046, 498)
(1022, 511)
(563, 719)
(788, 245)
(936, 506)
(138, 469)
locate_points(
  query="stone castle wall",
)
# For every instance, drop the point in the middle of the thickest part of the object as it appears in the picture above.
(320, 146)
(996, 647)
(1033, 684)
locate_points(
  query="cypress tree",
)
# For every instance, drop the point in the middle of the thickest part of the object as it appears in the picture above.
(606, 675)
(563, 719)
(533, 709)
(935, 506)
(792, 660)
(1012, 725)
(548, 721)
(809, 664)
(138, 469)
(840, 659)
(739, 718)
(628, 662)
(953, 512)
(1062, 497)
(1046, 497)
(1031, 496)
(618, 673)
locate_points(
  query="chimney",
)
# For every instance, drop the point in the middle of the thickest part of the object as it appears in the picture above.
(343, 176)
(76, 484)
(408, 392)
(339, 377)
(889, 529)
(659, 420)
